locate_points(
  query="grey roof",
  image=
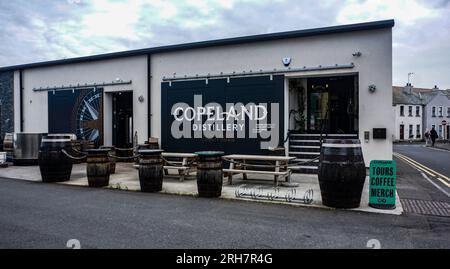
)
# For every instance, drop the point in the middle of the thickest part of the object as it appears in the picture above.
(447, 92)
(220, 42)
(418, 96)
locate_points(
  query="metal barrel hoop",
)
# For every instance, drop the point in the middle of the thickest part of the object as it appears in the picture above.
(123, 158)
(72, 157)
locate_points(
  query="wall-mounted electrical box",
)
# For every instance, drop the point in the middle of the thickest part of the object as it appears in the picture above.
(366, 136)
(379, 133)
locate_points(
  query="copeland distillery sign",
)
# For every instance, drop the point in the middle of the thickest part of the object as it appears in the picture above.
(234, 120)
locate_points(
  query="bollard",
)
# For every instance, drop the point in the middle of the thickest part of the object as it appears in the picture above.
(209, 173)
(150, 170)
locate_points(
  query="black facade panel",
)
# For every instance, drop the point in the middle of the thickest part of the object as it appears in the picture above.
(257, 90)
(6, 103)
(79, 112)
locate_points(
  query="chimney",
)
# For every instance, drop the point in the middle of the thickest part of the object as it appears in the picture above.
(408, 88)
(435, 87)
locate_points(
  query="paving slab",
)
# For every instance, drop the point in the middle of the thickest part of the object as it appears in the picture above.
(126, 178)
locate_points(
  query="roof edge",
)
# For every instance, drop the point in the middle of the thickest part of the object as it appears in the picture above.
(211, 43)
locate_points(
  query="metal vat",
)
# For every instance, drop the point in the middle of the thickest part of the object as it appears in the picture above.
(26, 148)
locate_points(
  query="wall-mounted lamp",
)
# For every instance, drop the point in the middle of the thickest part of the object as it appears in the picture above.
(372, 88)
(286, 61)
(357, 54)
(141, 98)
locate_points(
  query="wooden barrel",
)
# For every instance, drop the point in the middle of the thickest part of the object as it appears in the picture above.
(87, 145)
(342, 173)
(209, 173)
(112, 160)
(97, 167)
(150, 170)
(54, 165)
(77, 150)
(125, 153)
(8, 142)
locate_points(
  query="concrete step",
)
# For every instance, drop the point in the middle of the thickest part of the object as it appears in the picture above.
(304, 141)
(317, 136)
(305, 147)
(303, 153)
(323, 135)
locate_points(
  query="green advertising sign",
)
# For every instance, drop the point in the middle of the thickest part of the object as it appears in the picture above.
(382, 184)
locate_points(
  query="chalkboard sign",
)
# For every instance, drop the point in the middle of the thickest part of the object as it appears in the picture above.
(382, 188)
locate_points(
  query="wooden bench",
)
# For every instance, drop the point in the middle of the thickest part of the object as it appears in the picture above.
(239, 164)
(184, 166)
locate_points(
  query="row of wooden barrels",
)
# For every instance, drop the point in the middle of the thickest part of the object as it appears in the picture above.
(341, 173)
(55, 165)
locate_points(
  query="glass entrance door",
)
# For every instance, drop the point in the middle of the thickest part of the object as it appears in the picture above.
(318, 107)
(332, 106)
(123, 119)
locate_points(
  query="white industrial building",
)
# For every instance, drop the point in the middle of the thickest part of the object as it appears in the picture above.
(335, 80)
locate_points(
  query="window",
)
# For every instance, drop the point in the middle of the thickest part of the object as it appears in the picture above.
(411, 131)
(448, 112)
(440, 112)
(433, 111)
(440, 131)
(410, 111)
(417, 111)
(402, 111)
(418, 131)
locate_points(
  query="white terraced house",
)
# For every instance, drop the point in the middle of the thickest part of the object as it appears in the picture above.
(418, 110)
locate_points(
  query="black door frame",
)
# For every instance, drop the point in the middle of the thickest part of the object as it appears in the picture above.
(355, 103)
(114, 115)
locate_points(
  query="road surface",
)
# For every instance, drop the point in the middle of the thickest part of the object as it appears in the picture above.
(38, 215)
(432, 162)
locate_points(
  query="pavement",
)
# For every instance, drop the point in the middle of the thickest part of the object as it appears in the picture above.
(126, 178)
(445, 146)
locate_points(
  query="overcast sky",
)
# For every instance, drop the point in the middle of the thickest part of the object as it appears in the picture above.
(41, 30)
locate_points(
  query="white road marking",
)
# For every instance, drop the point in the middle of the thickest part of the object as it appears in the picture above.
(425, 168)
(434, 184)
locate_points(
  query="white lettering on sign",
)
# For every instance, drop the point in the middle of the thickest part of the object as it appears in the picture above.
(213, 121)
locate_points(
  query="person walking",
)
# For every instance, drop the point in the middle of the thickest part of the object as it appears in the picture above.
(427, 138)
(433, 135)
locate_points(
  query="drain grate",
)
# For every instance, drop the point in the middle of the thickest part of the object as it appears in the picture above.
(425, 207)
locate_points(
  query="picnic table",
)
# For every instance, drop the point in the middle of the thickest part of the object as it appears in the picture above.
(239, 164)
(183, 163)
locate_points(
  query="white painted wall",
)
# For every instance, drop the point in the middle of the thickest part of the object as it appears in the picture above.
(440, 100)
(407, 120)
(373, 67)
(35, 108)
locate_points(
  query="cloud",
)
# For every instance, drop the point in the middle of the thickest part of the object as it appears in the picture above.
(45, 30)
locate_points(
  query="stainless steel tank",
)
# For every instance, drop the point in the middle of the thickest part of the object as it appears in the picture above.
(26, 148)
